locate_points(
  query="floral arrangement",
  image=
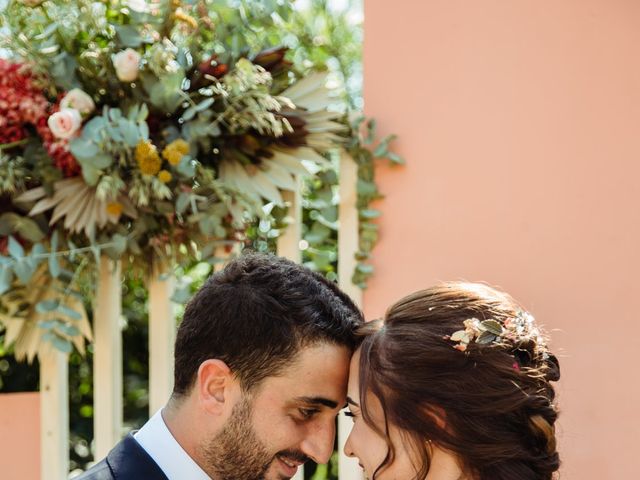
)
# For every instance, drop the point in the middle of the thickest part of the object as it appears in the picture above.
(518, 334)
(127, 131)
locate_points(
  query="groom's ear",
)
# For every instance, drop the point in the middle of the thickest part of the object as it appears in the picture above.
(214, 383)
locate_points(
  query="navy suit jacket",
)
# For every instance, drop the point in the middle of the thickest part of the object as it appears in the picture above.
(127, 461)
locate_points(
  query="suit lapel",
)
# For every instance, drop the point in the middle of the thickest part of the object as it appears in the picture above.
(128, 461)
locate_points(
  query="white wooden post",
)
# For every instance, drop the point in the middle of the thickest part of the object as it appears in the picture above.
(348, 239)
(162, 335)
(107, 359)
(54, 415)
(289, 241)
(289, 245)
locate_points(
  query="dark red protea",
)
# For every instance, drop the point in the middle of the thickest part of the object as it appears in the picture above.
(212, 67)
(272, 60)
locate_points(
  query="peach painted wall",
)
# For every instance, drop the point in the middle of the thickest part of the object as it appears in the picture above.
(20, 436)
(520, 122)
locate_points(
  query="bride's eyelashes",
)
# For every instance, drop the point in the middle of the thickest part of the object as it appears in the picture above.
(347, 413)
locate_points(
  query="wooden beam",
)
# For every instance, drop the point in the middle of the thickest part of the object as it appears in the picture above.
(162, 335)
(289, 245)
(348, 230)
(348, 238)
(289, 241)
(107, 359)
(54, 415)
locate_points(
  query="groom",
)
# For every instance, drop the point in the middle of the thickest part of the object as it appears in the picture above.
(261, 367)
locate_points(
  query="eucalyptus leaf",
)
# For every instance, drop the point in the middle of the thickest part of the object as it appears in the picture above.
(54, 241)
(119, 243)
(370, 213)
(364, 268)
(383, 147)
(143, 128)
(485, 338)
(91, 174)
(395, 158)
(69, 312)
(83, 148)
(6, 277)
(181, 295)
(366, 188)
(15, 249)
(47, 324)
(186, 167)
(492, 326)
(46, 306)
(54, 266)
(70, 330)
(62, 344)
(182, 202)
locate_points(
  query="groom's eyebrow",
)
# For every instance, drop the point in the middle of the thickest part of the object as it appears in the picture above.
(318, 401)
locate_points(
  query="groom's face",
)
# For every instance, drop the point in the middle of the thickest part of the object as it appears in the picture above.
(287, 420)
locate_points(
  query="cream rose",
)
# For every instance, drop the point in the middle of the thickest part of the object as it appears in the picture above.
(65, 123)
(126, 64)
(78, 100)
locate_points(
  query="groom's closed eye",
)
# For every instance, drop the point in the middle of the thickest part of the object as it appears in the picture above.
(308, 407)
(308, 413)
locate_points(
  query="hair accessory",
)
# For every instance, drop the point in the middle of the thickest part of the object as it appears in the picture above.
(515, 330)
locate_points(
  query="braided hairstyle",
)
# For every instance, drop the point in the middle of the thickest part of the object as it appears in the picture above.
(489, 401)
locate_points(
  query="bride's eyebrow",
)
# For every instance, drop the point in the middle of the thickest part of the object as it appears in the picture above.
(351, 401)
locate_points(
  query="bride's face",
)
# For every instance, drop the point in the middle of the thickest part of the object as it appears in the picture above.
(366, 444)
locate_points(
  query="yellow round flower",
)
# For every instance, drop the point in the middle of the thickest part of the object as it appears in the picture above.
(172, 155)
(164, 176)
(180, 145)
(115, 209)
(174, 152)
(147, 157)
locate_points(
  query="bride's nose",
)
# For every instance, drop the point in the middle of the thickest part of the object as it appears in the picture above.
(348, 448)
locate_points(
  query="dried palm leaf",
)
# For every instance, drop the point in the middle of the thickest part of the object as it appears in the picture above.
(22, 321)
(77, 203)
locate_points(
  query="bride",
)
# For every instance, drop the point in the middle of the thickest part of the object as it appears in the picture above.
(454, 384)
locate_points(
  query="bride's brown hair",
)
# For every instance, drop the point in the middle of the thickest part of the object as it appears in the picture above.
(491, 405)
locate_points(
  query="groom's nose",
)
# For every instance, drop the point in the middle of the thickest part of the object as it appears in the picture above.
(318, 444)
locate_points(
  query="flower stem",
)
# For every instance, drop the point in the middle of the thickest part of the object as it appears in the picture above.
(17, 143)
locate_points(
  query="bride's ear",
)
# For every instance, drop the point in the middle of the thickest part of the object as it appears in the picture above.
(214, 383)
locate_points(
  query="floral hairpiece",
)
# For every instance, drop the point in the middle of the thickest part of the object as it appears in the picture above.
(515, 330)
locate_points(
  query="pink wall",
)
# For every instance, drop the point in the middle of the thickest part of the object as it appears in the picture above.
(20, 436)
(520, 121)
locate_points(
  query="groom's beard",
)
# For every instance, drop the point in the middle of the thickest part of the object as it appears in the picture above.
(237, 453)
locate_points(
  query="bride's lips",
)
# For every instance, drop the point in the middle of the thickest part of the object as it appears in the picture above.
(288, 466)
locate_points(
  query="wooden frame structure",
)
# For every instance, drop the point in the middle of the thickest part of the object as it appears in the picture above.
(107, 368)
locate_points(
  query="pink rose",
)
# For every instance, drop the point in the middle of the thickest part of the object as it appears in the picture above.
(65, 123)
(78, 100)
(126, 64)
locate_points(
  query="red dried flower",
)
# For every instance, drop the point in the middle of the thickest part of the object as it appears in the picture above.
(23, 104)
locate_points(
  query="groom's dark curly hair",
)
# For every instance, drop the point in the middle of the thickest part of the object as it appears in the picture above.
(256, 314)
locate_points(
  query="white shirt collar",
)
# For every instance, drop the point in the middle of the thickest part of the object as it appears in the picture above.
(164, 449)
